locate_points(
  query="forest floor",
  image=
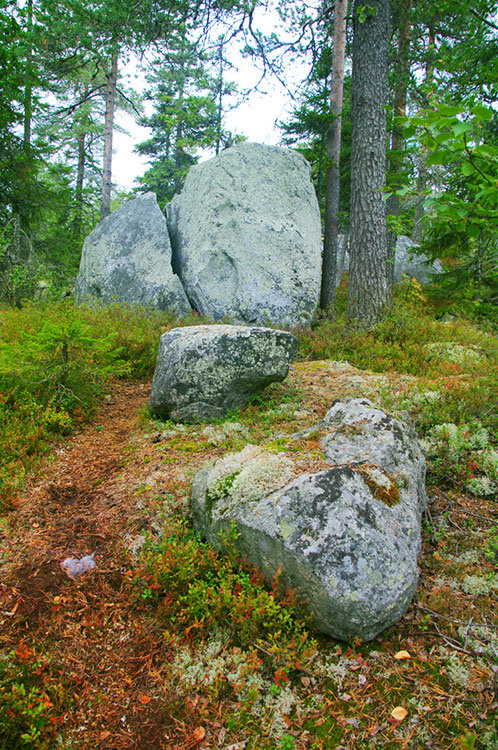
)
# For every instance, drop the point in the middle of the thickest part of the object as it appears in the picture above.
(107, 664)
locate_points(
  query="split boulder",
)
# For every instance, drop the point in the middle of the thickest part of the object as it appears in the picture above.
(127, 258)
(203, 372)
(346, 538)
(246, 236)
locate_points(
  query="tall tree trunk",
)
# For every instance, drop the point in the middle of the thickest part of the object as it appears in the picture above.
(78, 192)
(219, 110)
(332, 189)
(321, 170)
(397, 142)
(368, 277)
(422, 177)
(26, 199)
(179, 128)
(110, 101)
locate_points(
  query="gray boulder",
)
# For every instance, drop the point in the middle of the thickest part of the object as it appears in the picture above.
(246, 236)
(346, 538)
(409, 263)
(203, 372)
(127, 258)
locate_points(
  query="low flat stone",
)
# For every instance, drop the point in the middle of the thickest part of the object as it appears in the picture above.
(346, 538)
(203, 372)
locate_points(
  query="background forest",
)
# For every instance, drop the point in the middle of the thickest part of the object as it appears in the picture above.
(61, 87)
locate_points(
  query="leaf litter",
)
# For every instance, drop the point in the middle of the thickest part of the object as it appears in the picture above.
(427, 682)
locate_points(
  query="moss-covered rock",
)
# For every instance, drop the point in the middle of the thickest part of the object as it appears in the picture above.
(346, 538)
(203, 372)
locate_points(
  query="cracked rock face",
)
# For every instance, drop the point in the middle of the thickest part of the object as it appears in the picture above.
(347, 538)
(203, 372)
(246, 236)
(127, 258)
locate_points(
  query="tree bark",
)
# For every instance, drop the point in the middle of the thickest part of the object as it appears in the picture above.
(368, 276)
(110, 101)
(332, 188)
(397, 142)
(78, 192)
(179, 128)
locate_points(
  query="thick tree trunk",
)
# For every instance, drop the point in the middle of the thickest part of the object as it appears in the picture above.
(332, 189)
(368, 276)
(397, 141)
(110, 101)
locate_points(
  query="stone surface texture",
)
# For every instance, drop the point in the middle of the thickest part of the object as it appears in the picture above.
(407, 263)
(127, 258)
(415, 266)
(246, 236)
(346, 538)
(203, 372)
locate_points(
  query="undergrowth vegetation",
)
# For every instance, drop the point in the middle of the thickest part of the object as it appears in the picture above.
(196, 587)
(30, 710)
(58, 359)
(233, 662)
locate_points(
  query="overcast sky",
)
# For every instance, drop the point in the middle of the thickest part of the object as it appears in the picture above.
(255, 118)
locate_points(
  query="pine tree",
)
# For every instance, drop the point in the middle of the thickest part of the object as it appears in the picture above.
(368, 275)
(188, 117)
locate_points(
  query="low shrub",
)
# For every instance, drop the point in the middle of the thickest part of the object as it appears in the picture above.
(29, 698)
(399, 341)
(193, 586)
(56, 361)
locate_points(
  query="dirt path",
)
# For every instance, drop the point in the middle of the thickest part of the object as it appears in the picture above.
(110, 657)
(80, 503)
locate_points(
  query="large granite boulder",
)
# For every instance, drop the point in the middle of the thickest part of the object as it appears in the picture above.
(246, 236)
(203, 372)
(127, 258)
(346, 538)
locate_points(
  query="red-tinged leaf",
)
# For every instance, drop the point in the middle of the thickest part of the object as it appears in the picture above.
(104, 735)
(199, 734)
(143, 699)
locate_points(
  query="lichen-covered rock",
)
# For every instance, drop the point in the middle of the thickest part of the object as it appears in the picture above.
(408, 263)
(413, 265)
(246, 236)
(362, 434)
(127, 258)
(448, 351)
(203, 372)
(346, 538)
